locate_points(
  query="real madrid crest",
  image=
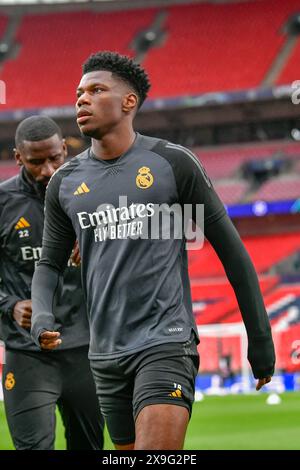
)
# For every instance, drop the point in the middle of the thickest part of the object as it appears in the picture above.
(10, 381)
(144, 178)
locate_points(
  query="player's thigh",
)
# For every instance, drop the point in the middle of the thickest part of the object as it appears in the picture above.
(30, 396)
(161, 427)
(115, 392)
(163, 398)
(167, 379)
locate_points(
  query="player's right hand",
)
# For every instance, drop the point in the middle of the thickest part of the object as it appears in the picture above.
(49, 339)
(262, 382)
(22, 313)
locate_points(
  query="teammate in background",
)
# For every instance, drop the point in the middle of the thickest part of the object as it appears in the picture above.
(143, 347)
(35, 381)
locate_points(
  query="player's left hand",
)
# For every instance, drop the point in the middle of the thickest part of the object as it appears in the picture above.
(49, 339)
(262, 382)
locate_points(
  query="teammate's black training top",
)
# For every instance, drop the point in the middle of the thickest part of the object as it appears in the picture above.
(21, 229)
(137, 289)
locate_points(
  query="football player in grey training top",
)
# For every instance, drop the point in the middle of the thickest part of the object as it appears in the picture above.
(143, 347)
(34, 381)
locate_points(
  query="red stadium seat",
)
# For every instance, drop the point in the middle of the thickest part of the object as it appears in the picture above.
(204, 51)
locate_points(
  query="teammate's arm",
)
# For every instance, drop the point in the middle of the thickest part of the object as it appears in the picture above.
(22, 312)
(7, 301)
(58, 242)
(17, 308)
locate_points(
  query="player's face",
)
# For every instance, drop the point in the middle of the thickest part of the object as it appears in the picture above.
(42, 158)
(103, 101)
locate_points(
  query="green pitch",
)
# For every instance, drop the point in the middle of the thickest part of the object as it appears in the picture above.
(230, 422)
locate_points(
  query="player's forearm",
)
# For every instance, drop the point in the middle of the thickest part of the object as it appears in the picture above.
(243, 278)
(44, 285)
(261, 353)
(241, 274)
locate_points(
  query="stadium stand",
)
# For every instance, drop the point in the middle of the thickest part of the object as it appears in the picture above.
(226, 167)
(231, 192)
(284, 187)
(3, 23)
(214, 300)
(291, 71)
(226, 161)
(205, 264)
(226, 35)
(57, 58)
(7, 170)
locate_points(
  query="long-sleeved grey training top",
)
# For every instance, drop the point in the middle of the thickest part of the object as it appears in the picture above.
(137, 287)
(21, 229)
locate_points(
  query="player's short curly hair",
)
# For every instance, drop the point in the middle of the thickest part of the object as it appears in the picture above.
(123, 67)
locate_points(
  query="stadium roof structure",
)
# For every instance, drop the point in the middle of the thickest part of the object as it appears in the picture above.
(44, 6)
(50, 2)
(28, 2)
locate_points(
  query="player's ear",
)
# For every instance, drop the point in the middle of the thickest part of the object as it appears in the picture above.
(18, 157)
(130, 102)
(65, 148)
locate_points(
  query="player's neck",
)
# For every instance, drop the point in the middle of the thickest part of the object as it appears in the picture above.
(114, 144)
